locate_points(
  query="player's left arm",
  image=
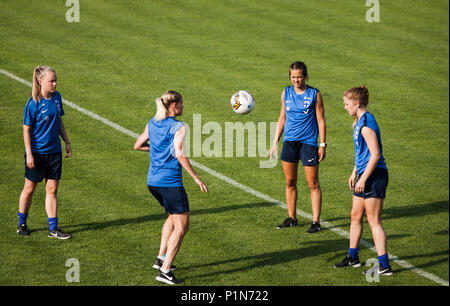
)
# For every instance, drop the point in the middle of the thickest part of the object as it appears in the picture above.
(63, 133)
(372, 143)
(320, 116)
(178, 143)
(141, 143)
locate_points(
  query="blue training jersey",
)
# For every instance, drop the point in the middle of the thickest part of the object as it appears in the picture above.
(165, 170)
(44, 118)
(362, 153)
(301, 122)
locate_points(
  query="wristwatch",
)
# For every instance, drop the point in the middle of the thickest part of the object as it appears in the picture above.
(323, 144)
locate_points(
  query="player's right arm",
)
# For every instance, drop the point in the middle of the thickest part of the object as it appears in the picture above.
(141, 143)
(27, 142)
(279, 129)
(178, 143)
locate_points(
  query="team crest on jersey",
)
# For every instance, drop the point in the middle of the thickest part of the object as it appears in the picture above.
(306, 102)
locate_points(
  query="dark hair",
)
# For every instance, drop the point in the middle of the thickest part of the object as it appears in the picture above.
(299, 66)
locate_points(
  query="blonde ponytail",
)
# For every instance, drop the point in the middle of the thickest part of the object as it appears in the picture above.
(38, 73)
(163, 103)
(161, 110)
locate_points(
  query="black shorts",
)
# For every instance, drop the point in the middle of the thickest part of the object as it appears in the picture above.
(173, 199)
(293, 151)
(47, 166)
(376, 184)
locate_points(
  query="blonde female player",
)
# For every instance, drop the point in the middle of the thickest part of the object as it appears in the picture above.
(369, 180)
(42, 127)
(302, 119)
(163, 137)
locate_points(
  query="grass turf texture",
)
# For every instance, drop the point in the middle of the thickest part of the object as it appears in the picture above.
(122, 55)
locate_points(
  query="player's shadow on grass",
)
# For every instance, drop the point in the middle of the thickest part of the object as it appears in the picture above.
(411, 211)
(428, 263)
(336, 247)
(312, 249)
(156, 217)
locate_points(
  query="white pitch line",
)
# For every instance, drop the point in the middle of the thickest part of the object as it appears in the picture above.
(245, 188)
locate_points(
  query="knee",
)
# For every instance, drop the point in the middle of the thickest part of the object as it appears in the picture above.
(182, 230)
(28, 190)
(51, 190)
(291, 183)
(181, 227)
(355, 216)
(374, 222)
(314, 185)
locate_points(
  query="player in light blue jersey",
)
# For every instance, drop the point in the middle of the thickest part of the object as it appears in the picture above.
(303, 122)
(164, 138)
(42, 127)
(368, 181)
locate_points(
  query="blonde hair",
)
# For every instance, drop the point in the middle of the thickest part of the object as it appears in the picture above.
(38, 73)
(163, 103)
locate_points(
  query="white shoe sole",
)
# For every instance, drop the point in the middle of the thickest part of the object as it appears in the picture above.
(164, 280)
(62, 238)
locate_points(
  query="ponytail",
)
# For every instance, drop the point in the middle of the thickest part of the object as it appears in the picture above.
(161, 110)
(163, 103)
(38, 73)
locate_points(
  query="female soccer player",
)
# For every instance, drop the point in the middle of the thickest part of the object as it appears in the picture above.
(42, 127)
(302, 119)
(163, 137)
(371, 177)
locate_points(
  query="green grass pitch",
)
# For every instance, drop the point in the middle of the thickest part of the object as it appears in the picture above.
(123, 54)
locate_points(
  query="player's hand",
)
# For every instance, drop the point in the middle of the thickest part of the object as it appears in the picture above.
(351, 181)
(322, 153)
(30, 161)
(202, 185)
(273, 151)
(68, 150)
(359, 187)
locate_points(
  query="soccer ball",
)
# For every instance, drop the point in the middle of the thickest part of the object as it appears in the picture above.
(242, 102)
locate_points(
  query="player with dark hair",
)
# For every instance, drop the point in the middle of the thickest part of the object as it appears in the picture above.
(302, 120)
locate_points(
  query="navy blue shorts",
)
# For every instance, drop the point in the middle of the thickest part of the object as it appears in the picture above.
(173, 199)
(293, 151)
(47, 166)
(376, 185)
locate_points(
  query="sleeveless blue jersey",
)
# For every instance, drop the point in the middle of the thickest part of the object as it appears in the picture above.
(301, 122)
(44, 118)
(362, 153)
(165, 170)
